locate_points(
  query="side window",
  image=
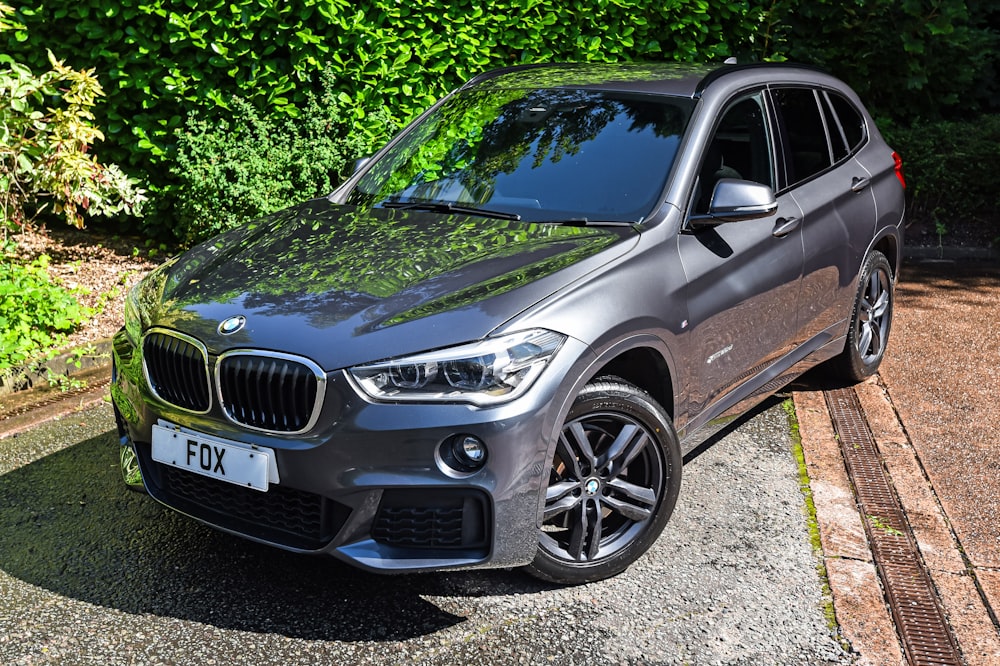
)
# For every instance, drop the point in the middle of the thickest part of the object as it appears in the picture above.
(851, 121)
(740, 148)
(807, 151)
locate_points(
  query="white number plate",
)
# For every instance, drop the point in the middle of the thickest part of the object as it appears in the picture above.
(225, 460)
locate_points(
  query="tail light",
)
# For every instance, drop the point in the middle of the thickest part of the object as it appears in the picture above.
(898, 166)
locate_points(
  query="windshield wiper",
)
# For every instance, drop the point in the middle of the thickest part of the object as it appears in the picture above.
(587, 222)
(445, 207)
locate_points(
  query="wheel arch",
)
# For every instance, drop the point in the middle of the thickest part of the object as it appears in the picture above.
(647, 369)
(642, 360)
(890, 247)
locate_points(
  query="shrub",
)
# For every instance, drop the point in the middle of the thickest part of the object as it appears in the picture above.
(950, 171)
(45, 150)
(919, 59)
(232, 169)
(35, 313)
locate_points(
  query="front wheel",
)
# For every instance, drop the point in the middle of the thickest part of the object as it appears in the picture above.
(871, 320)
(613, 483)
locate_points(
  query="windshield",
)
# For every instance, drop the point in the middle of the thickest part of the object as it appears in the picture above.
(540, 155)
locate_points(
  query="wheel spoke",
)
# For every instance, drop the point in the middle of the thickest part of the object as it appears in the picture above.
(630, 500)
(569, 456)
(578, 532)
(559, 499)
(865, 341)
(880, 306)
(627, 445)
(579, 446)
(596, 528)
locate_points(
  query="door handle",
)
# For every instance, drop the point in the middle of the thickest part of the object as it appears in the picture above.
(785, 226)
(860, 183)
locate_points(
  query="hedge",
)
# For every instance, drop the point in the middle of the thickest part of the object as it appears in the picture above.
(951, 173)
(162, 59)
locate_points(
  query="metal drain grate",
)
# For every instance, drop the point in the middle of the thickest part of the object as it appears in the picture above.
(927, 638)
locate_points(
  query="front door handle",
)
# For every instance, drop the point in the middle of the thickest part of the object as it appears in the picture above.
(785, 226)
(858, 184)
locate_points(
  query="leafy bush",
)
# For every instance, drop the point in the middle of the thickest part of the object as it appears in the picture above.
(164, 59)
(918, 59)
(44, 150)
(35, 313)
(950, 171)
(233, 169)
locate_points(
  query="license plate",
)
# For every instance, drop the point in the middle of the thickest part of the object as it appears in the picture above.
(225, 460)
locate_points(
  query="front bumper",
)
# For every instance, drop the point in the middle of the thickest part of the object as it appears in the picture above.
(367, 484)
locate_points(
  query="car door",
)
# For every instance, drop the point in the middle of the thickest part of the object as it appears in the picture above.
(742, 277)
(819, 135)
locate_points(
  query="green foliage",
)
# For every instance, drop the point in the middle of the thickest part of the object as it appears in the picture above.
(165, 59)
(908, 60)
(234, 169)
(44, 149)
(950, 173)
(35, 313)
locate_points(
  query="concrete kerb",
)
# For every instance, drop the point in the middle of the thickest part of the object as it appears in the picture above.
(65, 365)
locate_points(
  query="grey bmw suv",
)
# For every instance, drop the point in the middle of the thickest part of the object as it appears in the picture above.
(493, 345)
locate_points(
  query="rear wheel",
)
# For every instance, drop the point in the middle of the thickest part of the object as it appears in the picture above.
(871, 320)
(612, 486)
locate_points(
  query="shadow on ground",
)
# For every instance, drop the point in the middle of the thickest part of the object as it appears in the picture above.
(70, 526)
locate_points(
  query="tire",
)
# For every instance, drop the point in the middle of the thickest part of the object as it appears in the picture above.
(871, 320)
(613, 483)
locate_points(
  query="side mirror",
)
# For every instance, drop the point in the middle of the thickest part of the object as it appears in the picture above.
(736, 200)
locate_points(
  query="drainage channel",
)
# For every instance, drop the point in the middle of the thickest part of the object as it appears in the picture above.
(42, 405)
(920, 622)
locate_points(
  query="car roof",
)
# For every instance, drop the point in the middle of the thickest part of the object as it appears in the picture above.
(680, 79)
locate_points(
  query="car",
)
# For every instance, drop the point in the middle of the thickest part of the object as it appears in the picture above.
(494, 344)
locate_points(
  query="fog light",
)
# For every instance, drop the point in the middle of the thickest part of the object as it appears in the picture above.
(464, 454)
(470, 450)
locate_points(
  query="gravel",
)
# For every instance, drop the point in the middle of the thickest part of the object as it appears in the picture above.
(93, 574)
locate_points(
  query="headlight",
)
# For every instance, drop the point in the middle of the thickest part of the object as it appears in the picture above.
(144, 298)
(483, 373)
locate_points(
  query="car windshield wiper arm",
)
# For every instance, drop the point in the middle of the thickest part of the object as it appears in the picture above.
(587, 222)
(445, 207)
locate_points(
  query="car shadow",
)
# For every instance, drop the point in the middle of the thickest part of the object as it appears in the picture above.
(70, 526)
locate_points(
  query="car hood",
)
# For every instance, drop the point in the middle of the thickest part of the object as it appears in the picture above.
(344, 286)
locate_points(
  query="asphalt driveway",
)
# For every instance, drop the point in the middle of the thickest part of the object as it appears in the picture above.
(93, 573)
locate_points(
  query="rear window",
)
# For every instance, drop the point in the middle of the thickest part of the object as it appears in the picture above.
(851, 121)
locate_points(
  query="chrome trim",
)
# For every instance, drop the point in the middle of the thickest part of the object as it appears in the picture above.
(308, 363)
(191, 341)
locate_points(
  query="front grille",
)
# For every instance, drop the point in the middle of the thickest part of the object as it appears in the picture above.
(431, 519)
(177, 370)
(282, 515)
(272, 392)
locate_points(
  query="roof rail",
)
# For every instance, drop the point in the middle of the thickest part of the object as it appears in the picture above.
(729, 67)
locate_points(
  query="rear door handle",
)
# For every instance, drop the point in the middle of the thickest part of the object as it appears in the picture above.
(785, 226)
(858, 184)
